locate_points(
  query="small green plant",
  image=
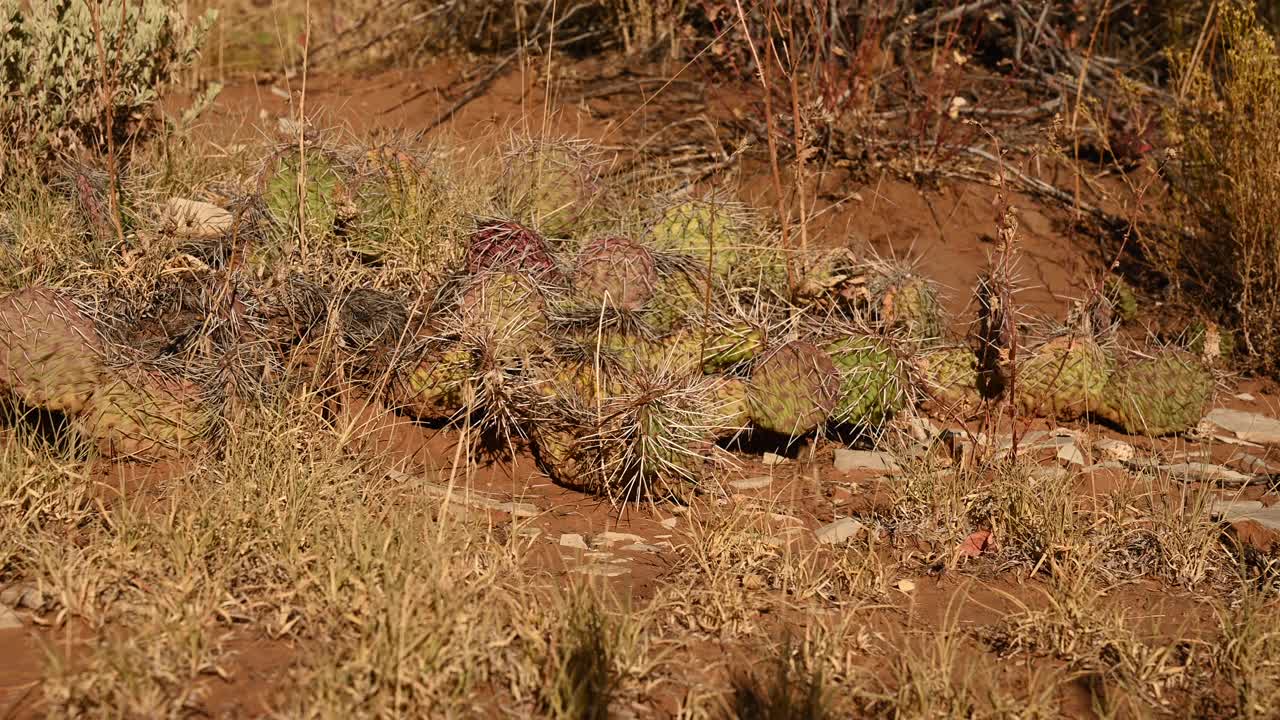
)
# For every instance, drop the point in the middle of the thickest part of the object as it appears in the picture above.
(71, 69)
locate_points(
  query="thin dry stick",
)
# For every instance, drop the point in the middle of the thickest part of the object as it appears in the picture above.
(1075, 111)
(773, 143)
(302, 155)
(801, 138)
(108, 102)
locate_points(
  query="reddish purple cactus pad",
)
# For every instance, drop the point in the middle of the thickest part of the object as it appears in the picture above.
(507, 245)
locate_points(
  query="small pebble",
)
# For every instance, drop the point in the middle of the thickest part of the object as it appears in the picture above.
(573, 540)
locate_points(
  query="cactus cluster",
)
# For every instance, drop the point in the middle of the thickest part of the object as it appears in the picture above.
(623, 354)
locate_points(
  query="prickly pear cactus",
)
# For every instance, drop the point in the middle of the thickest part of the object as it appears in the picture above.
(507, 310)
(730, 347)
(143, 414)
(326, 197)
(1159, 395)
(551, 184)
(908, 303)
(1120, 296)
(504, 245)
(564, 457)
(1063, 378)
(703, 230)
(830, 277)
(793, 389)
(50, 354)
(678, 301)
(949, 377)
(871, 386)
(436, 388)
(730, 414)
(616, 271)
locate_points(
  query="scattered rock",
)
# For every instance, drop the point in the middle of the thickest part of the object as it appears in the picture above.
(1206, 472)
(1115, 449)
(603, 569)
(1051, 472)
(669, 523)
(524, 510)
(609, 537)
(1245, 397)
(195, 219)
(1246, 425)
(573, 540)
(921, 429)
(851, 460)
(1252, 464)
(1251, 523)
(9, 619)
(838, 531)
(1108, 465)
(785, 519)
(22, 596)
(1072, 455)
(771, 459)
(752, 483)
(1229, 440)
(642, 547)
(906, 586)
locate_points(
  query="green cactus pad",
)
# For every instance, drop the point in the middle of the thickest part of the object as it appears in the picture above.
(793, 389)
(327, 194)
(731, 347)
(142, 414)
(702, 230)
(550, 184)
(1160, 395)
(678, 301)
(50, 355)
(909, 304)
(731, 413)
(436, 388)
(949, 377)
(1063, 378)
(871, 387)
(508, 310)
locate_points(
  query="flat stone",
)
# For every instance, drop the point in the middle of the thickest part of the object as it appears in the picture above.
(23, 596)
(524, 510)
(642, 547)
(573, 540)
(1232, 440)
(771, 459)
(1118, 450)
(9, 619)
(669, 523)
(1206, 472)
(610, 537)
(838, 531)
(603, 569)
(851, 460)
(753, 483)
(1071, 454)
(1252, 464)
(1253, 427)
(1245, 397)
(196, 219)
(1251, 523)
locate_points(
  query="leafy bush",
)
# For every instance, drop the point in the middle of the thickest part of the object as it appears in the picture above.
(1227, 177)
(63, 74)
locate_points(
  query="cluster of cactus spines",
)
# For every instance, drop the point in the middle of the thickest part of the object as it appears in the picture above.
(872, 388)
(506, 245)
(732, 346)
(50, 354)
(793, 389)
(141, 413)
(616, 271)
(553, 184)
(1063, 377)
(372, 319)
(1158, 395)
(830, 277)
(507, 311)
(903, 301)
(731, 414)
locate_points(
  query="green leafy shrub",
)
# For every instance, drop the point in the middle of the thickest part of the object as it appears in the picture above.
(62, 74)
(1227, 124)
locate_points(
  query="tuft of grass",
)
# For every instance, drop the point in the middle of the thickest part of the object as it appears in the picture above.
(794, 691)
(585, 682)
